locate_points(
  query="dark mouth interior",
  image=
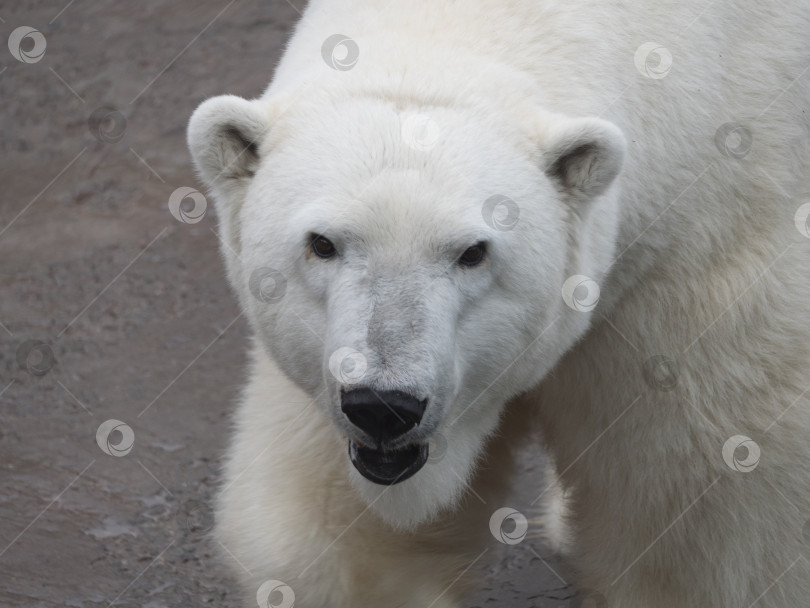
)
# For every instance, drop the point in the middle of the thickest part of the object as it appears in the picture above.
(387, 467)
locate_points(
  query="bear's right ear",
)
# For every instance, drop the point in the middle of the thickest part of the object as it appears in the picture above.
(583, 155)
(224, 136)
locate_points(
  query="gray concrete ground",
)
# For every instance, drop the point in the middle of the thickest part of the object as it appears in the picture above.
(134, 307)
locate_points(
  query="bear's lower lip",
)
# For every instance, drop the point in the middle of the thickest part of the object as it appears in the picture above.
(388, 468)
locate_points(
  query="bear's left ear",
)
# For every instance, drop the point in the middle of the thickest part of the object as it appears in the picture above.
(583, 155)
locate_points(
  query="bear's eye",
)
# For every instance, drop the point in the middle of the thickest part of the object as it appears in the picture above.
(474, 255)
(323, 247)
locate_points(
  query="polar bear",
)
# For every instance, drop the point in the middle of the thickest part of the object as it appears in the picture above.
(448, 223)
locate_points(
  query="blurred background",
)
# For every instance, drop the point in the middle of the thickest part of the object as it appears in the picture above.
(121, 348)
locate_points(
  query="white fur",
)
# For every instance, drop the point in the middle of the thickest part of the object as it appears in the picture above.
(695, 254)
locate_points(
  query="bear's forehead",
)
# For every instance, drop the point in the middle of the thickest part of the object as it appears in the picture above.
(377, 133)
(349, 170)
(364, 190)
(407, 217)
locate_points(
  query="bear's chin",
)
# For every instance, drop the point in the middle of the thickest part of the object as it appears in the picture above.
(420, 499)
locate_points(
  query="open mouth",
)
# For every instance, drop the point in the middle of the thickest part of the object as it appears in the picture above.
(388, 467)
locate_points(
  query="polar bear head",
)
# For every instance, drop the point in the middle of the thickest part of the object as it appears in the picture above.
(410, 268)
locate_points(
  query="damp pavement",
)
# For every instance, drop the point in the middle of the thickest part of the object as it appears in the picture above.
(118, 311)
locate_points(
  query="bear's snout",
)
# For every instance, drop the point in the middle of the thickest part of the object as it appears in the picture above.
(382, 415)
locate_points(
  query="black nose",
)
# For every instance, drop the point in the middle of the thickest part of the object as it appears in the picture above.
(385, 415)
